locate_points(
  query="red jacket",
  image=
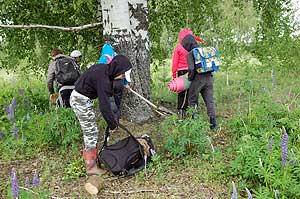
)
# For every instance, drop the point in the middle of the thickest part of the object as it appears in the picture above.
(179, 55)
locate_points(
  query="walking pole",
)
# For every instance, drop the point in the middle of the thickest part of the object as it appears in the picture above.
(160, 109)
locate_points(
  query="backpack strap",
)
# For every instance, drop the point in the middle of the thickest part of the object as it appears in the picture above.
(59, 94)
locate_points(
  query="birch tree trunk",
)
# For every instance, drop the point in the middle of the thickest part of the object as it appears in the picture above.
(125, 26)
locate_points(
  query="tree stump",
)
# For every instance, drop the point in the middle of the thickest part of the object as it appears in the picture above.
(94, 184)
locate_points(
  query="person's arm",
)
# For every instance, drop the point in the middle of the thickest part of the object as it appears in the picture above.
(51, 77)
(191, 65)
(175, 61)
(104, 106)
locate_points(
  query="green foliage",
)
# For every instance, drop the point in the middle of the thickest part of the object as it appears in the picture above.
(45, 126)
(172, 16)
(258, 150)
(36, 44)
(185, 138)
(160, 77)
(74, 170)
(260, 27)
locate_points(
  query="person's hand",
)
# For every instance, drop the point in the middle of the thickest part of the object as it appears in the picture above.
(52, 98)
(127, 87)
(113, 130)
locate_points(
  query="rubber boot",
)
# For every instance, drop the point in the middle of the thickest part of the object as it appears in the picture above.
(181, 114)
(213, 123)
(90, 159)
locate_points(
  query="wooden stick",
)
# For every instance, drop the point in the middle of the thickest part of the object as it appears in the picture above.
(70, 29)
(147, 101)
(157, 109)
(130, 192)
(160, 113)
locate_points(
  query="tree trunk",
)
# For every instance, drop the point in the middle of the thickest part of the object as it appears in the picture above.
(125, 25)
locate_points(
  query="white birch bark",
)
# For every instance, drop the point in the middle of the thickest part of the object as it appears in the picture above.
(125, 25)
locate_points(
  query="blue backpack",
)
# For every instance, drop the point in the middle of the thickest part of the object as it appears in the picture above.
(207, 59)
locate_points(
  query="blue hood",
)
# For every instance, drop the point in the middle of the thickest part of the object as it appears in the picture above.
(107, 51)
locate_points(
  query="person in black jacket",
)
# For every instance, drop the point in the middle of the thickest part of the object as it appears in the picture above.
(201, 83)
(96, 82)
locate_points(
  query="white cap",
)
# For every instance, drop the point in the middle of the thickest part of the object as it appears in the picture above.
(75, 53)
(127, 75)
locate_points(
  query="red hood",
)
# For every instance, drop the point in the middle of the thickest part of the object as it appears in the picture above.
(184, 33)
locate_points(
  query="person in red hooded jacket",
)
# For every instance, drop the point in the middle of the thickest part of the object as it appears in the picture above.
(180, 67)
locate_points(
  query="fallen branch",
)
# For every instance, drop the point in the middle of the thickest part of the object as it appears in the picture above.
(292, 102)
(56, 197)
(130, 192)
(69, 29)
(11, 162)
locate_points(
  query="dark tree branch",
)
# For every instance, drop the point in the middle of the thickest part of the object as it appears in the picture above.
(69, 29)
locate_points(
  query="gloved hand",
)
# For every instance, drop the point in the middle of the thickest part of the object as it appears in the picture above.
(191, 75)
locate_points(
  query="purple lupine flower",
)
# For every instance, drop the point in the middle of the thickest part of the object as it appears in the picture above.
(15, 190)
(28, 117)
(249, 194)
(11, 109)
(270, 145)
(14, 102)
(36, 180)
(1, 135)
(276, 193)
(27, 182)
(292, 162)
(16, 131)
(284, 147)
(11, 112)
(234, 192)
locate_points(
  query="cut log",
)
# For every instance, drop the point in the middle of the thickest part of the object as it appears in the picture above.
(94, 184)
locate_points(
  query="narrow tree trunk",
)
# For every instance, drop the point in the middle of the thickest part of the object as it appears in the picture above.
(125, 25)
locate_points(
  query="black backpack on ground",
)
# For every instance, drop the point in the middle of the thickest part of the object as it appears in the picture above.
(66, 71)
(127, 156)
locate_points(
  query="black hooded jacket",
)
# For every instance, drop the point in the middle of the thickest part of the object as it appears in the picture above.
(97, 81)
(189, 43)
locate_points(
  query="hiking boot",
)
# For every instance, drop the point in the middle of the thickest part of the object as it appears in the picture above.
(195, 113)
(90, 159)
(181, 114)
(213, 123)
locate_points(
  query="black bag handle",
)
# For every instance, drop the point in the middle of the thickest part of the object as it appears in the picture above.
(107, 134)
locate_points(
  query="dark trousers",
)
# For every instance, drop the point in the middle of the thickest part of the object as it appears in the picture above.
(64, 96)
(117, 94)
(182, 98)
(203, 83)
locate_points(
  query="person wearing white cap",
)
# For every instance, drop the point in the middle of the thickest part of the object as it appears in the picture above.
(76, 54)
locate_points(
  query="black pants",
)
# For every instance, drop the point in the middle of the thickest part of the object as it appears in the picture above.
(204, 84)
(117, 94)
(182, 98)
(64, 94)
